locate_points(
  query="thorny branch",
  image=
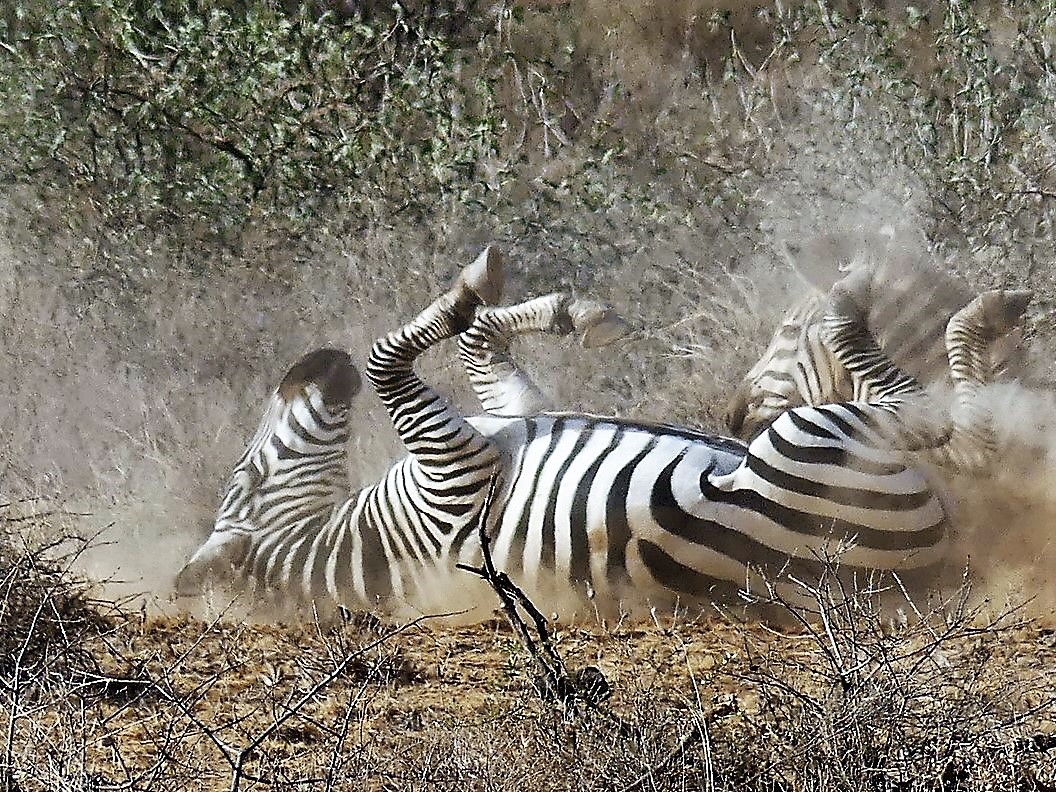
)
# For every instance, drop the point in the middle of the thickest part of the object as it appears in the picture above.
(553, 681)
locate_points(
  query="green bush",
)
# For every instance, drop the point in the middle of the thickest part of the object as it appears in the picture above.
(199, 117)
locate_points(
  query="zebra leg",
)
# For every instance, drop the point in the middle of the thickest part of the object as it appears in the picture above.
(502, 386)
(433, 431)
(970, 335)
(289, 478)
(962, 440)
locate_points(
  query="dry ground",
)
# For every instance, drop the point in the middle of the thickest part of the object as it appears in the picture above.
(432, 706)
(846, 694)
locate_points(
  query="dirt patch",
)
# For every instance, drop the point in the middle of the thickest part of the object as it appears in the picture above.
(366, 705)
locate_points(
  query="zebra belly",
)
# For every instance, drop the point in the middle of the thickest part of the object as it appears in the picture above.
(622, 509)
(577, 507)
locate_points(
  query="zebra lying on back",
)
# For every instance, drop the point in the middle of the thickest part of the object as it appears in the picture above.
(631, 511)
(911, 304)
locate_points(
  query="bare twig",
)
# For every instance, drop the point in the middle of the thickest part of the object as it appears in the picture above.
(554, 682)
(552, 671)
(690, 737)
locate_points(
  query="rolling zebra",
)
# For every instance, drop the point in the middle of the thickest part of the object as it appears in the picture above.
(911, 303)
(626, 510)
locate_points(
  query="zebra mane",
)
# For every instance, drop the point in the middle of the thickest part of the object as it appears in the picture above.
(330, 370)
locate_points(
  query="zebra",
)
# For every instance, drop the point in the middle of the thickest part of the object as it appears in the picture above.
(584, 505)
(912, 303)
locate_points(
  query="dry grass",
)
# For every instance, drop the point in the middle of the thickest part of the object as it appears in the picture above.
(849, 700)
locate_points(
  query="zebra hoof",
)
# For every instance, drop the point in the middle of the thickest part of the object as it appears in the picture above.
(850, 297)
(998, 311)
(599, 324)
(1016, 302)
(484, 277)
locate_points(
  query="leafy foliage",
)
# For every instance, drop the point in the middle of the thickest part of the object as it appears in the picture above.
(198, 121)
(201, 116)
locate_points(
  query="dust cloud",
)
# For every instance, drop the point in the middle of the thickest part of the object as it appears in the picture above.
(1006, 523)
(123, 412)
(129, 390)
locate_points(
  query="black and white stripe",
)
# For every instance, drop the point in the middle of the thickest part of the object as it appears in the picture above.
(622, 509)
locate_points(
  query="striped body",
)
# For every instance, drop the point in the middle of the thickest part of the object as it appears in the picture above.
(640, 512)
(632, 508)
(629, 511)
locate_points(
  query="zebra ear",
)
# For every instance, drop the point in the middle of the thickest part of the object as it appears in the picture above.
(330, 370)
(819, 261)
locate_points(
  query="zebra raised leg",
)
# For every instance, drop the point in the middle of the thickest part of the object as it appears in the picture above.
(887, 388)
(970, 333)
(961, 440)
(436, 435)
(500, 383)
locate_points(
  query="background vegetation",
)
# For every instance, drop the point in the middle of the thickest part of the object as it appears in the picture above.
(193, 194)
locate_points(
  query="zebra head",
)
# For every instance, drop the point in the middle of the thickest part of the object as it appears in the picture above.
(796, 369)
(910, 303)
(290, 477)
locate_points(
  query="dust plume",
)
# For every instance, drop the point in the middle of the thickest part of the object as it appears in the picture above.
(1006, 523)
